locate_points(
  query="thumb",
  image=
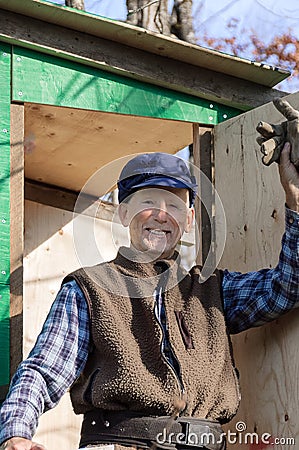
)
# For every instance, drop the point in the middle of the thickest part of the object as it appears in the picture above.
(286, 109)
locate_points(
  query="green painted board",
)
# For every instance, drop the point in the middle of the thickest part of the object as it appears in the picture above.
(5, 60)
(5, 70)
(46, 79)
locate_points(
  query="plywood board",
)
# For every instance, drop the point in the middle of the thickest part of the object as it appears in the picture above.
(65, 146)
(253, 199)
(16, 235)
(50, 255)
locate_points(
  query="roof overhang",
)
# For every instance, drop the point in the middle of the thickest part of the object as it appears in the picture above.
(148, 41)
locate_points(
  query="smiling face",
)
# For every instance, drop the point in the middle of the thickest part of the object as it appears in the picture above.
(157, 218)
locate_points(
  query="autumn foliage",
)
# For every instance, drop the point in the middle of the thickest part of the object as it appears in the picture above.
(281, 50)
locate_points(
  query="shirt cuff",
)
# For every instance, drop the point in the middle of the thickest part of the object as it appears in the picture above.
(292, 221)
(11, 430)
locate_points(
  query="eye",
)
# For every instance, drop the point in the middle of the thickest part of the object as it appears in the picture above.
(175, 206)
(147, 202)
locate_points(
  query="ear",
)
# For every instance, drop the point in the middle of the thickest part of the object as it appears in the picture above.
(190, 219)
(123, 213)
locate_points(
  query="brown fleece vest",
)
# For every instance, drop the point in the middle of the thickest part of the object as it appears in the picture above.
(126, 369)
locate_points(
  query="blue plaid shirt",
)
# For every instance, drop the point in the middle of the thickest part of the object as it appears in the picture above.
(61, 350)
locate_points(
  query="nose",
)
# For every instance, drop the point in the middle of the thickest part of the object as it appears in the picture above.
(160, 212)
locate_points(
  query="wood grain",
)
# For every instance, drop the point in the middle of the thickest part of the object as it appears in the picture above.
(50, 254)
(138, 64)
(16, 234)
(70, 147)
(267, 357)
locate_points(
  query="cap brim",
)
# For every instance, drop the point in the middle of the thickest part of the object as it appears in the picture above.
(162, 181)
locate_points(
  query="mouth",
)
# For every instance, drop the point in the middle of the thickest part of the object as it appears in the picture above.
(157, 232)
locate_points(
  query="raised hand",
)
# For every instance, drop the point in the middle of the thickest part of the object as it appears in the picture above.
(273, 137)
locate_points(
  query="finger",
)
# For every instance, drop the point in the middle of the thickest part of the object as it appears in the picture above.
(260, 140)
(268, 130)
(286, 109)
(270, 145)
(265, 129)
(36, 446)
(272, 155)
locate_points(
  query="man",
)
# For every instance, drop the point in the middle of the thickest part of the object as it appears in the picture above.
(145, 345)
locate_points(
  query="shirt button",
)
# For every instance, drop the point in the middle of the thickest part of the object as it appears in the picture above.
(291, 220)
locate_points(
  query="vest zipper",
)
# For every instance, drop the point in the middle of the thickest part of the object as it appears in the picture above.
(176, 375)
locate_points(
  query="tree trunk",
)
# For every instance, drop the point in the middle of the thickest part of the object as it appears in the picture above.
(182, 21)
(79, 4)
(149, 14)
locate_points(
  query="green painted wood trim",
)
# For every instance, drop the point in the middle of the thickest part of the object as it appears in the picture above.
(46, 79)
(5, 70)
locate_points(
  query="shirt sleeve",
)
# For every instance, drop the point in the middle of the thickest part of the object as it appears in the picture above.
(254, 298)
(57, 359)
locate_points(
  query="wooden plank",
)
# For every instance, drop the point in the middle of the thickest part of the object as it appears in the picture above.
(5, 80)
(16, 232)
(203, 159)
(66, 200)
(70, 147)
(71, 84)
(147, 40)
(50, 253)
(208, 203)
(197, 204)
(253, 198)
(151, 65)
(49, 256)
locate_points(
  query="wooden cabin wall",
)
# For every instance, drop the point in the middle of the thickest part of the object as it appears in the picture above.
(253, 199)
(49, 254)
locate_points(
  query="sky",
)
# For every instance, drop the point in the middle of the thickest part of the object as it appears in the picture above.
(266, 18)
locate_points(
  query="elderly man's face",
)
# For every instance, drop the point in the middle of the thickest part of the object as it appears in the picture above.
(157, 218)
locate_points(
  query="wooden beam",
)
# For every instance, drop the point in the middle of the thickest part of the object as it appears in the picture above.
(208, 203)
(205, 204)
(133, 63)
(16, 233)
(197, 204)
(66, 199)
(137, 37)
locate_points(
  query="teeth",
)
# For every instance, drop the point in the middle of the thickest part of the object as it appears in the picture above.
(157, 232)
